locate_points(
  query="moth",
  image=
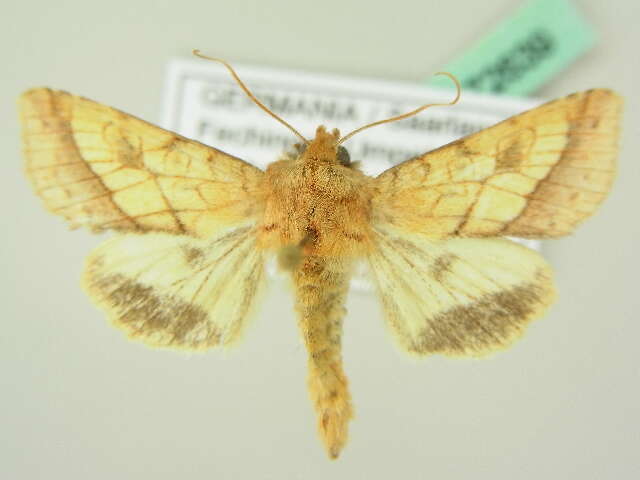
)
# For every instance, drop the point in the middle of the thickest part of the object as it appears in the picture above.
(195, 225)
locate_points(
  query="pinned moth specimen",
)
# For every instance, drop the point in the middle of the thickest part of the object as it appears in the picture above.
(194, 226)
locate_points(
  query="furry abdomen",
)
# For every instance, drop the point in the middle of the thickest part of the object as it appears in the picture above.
(322, 206)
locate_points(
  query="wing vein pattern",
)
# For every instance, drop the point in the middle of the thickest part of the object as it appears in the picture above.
(103, 169)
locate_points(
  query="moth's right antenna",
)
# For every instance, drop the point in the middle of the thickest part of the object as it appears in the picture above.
(233, 73)
(408, 114)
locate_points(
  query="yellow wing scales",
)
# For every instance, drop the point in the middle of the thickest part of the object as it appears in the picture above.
(178, 291)
(462, 296)
(537, 174)
(104, 169)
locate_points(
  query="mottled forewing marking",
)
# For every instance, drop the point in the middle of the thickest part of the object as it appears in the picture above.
(104, 169)
(538, 174)
(54, 165)
(125, 148)
(574, 187)
(514, 149)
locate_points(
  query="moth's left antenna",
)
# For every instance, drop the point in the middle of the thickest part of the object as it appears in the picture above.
(233, 73)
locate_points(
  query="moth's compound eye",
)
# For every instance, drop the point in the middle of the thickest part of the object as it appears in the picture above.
(300, 148)
(343, 156)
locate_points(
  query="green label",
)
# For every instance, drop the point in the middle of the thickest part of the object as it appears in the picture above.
(525, 51)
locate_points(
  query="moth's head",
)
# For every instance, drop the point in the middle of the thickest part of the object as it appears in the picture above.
(324, 148)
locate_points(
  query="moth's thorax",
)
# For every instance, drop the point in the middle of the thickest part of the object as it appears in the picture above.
(315, 201)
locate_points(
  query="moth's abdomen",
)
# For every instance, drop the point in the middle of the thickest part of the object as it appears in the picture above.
(321, 287)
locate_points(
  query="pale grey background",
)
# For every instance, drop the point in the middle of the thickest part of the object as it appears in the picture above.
(77, 401)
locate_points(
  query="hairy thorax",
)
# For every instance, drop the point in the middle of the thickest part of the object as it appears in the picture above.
(314, 202)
